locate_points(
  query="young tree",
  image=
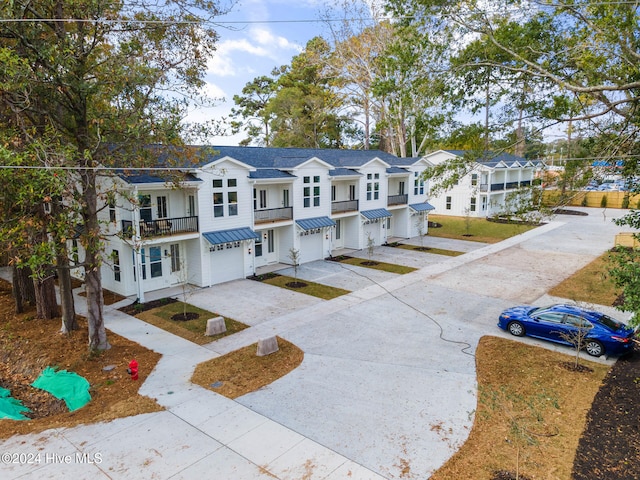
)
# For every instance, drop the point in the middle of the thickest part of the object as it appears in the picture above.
(92, 78)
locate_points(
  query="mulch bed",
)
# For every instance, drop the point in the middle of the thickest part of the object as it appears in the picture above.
(610, 444)
(136, 307)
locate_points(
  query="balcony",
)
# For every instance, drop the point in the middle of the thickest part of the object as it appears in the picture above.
(162, 227)
(345, 206)
(271, 215)
(397, 199)
(511, 185)
(495, 187)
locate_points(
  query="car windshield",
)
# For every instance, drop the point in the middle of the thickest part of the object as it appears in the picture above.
(611, 323)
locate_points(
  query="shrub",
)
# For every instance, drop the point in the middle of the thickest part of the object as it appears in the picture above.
(603, 201)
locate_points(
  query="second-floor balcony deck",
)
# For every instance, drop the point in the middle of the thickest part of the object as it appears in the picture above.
(345, 206)
(397, 199)
(270, 215)
(162, 227)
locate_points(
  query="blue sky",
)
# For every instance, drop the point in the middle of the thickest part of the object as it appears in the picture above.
(246, 51)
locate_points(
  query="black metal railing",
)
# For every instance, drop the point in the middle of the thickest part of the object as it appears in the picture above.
(273, 215)
(397, 199)
(344, 206)
(497, 186)
(511, 185)
(161, 227)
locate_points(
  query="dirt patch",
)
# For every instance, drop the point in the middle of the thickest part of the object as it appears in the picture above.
(28, 345)
(296, 284)
(185, 317)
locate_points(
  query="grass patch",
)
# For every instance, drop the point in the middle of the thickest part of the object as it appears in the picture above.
(528, 406)
(364, 262)
(310, 288)
(435, 251)
(475, 229)
(590, 284)
(192, 330)
(242, 371)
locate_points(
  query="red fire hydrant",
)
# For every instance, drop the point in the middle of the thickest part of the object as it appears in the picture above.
(133, 369)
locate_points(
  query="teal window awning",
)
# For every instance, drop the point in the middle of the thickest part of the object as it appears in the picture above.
(422, 207)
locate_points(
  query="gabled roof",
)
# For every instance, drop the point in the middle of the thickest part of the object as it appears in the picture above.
(263, 173)
(138, 177)
(397, 170)
(288, 158)
(344, 172)
(494, 160)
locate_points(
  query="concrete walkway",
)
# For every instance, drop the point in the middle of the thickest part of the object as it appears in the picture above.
(386, 389)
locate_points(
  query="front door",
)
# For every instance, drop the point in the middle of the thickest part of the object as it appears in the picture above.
(266, 248)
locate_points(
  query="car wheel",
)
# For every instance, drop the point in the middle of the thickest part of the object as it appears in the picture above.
(594, 348)
(516, 328)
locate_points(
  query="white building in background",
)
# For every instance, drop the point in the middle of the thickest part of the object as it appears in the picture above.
(484, 191)
(240, 208)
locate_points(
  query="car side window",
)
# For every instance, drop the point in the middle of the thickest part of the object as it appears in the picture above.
(551, 317)
(577, 322)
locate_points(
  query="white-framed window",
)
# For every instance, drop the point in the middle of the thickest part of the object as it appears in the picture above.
(418, 184)
(112, 212)
(333, 193)
(472, 206)
(373, 186)
(154, 262)
(116, 265)
(474, 179)
(225, 197)
(352, 192)
(175, 257)
(161, 207)
(144, 201)
(448, 203)
(311, 191)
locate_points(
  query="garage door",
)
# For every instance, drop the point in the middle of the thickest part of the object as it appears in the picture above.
(227, 262)
(311, 247)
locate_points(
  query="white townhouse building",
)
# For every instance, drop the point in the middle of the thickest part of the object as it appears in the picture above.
(240, 208)
(484, 190)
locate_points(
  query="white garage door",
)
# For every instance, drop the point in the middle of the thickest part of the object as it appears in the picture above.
(227, 262)
(311, 247)
(370, 229)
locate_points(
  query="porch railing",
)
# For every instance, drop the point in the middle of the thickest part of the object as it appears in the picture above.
(161, 227)
(344, 206)
(397, 199)
(273, 215)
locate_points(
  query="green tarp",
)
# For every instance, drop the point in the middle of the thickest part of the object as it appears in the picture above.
(11, 407)
(69, 386)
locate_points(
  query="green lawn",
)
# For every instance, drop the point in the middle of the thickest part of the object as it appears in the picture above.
(325, 292)
(475, 229)
(435, 251)
(386, 267)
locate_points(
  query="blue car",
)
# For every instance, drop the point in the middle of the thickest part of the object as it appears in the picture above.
(598, 333)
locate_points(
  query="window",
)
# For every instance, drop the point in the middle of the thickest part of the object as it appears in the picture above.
(285, 198)
(218, 204)
(338, 229)
(116, 265)
(472, 207)
(401, 188)
(474, 179)
(161, 207)
(175, 257)
(333, 193)
(551, 317)
(373, 187)
(145, 207)
(311, 194)
(448, 203)
(233, 203)
(258, 245)
(222, 192)
(155, 261)
(191, 209)
(484, 204)
(418, 184)
(352, 192)
(112, 212)
(271, 244)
